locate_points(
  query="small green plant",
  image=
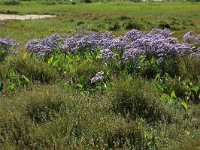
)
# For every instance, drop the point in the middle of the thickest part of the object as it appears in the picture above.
(3, 54)
(85, 72)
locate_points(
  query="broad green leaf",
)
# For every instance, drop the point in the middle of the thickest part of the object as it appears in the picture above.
(173, 95)
(50, 60)
(25, 78)
(25, 55)
(185, 105)
(165, 97)
(80, 85)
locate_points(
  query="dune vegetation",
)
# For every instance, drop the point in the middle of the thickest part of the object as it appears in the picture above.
(112, 75)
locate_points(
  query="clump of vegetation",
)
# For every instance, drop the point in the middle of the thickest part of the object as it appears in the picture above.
(10, 2)
(45, 107)
(138, 99)
(34, 69)
(92, 90)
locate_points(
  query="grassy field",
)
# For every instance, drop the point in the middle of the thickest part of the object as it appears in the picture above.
(50, 102)
(118, 17)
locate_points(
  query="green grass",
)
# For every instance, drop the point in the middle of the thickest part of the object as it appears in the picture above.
(180, 17)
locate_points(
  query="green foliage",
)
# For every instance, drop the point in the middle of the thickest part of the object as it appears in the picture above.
(85, 72)
(50, 117)
(3, 54)
(189, 68)
(10, 2)
(15, 130)
(35, 70)
(44, 107)
(1, 86)
(137, 99)
(86, 1)
(158, 109)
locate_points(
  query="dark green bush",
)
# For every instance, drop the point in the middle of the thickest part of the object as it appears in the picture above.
(3, 55)
(48, 2)
(10, 2)
(114, 27)
(164, 24)
(86, 1)
(133, 25)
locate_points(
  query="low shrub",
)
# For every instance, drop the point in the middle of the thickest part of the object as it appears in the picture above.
(86, 71)
(10, 2)
(133, 25)
(15, 129)
(34, 69)
(44, 107)
(189, 68)
(137, 99)
(114, 27)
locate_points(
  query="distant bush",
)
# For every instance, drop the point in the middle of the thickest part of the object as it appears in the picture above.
(115, 26)
(86, 1)
(10, 2)
(48, 2)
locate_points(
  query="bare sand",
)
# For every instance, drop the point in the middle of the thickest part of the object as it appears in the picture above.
(24, 17)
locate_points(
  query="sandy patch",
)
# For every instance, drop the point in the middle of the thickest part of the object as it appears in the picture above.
(24, 17)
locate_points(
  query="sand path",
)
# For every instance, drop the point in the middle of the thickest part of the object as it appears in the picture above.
(24, 17)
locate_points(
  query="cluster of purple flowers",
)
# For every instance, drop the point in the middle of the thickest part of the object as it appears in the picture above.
(97, 77)
(107, 54)
(6, 43)
(45, 46)
(196, 53)
(156, 43)
(192, 37)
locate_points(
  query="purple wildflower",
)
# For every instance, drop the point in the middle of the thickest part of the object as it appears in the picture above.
(6, 43)
(97, 77)
(107, 54)
(189, 37)
(197, 39)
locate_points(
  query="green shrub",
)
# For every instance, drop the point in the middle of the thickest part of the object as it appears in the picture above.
(15, 129)
(4, 71)
(114, 27)
(133, 25)
(86, 1)
(164, 24)
(171, 66)
(189, 68)
(34, 69)
(45, 107)
(47, 2)
(138, 99)
(127, 135)
(10, 2)
(86, 71)
(3, 55)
